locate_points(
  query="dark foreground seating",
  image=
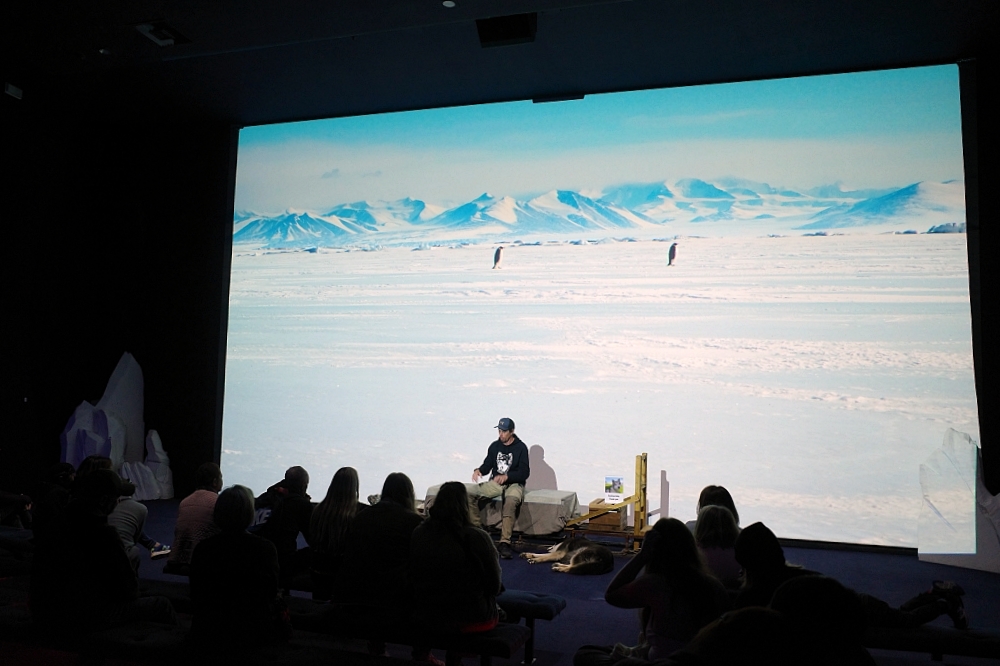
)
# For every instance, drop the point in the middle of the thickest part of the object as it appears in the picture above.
(15, 622)
(531, 606)
(151, 643)
(936, 641)
(15, 552)
(15, 618)
(154, 643)
(359, 621)
(179, 593)
(146, 642)
(310, 616)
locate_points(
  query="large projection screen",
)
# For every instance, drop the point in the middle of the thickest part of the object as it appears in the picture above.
(808, 347)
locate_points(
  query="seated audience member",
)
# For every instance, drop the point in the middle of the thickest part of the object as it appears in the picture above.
(827, 621)
(15, 510)
(765, 569)
(328, 527)
(764, 566)
(234, 580)
(195, 520)
(129, 520)
(53, 495)
(714, 496)
(920, 609)
(668, 579)
(82, 579)
(282, 513)
(128, 517)
(376, 548)
(376, 555)
(92, 464)
(715, 535)
(943, 598)
(454, 567)
(749, 637)
(756, 636)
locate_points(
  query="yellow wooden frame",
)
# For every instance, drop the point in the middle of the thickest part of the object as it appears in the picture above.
(638, 500)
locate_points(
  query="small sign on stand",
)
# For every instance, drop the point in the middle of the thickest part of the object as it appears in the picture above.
(614, 489)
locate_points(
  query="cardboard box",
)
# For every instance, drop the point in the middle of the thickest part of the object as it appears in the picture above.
(616, 521)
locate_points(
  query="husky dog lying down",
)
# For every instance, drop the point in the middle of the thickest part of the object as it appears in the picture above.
(576, 555)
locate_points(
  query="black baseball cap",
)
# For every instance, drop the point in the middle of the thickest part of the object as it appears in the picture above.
(505, 424)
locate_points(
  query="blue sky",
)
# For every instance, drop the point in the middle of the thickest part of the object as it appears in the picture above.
(872, 129)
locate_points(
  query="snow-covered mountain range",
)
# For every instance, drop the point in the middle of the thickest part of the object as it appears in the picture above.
(687, 206)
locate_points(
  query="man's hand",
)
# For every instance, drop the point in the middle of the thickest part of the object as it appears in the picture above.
(502, 479)
(476, 475)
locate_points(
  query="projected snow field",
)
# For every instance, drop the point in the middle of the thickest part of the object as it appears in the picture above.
(808, 346)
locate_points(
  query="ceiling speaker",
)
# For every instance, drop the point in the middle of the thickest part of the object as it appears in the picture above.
(507, 30)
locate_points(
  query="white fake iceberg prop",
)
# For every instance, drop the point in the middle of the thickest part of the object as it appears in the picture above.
(146, 485)
(158, 461)
(113, 428)
(124, 398)
(959, 522)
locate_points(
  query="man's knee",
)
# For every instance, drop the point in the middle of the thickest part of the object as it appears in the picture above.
(489, 490)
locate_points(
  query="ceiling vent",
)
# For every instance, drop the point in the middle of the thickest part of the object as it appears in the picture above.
(162, 33)
(507, 30)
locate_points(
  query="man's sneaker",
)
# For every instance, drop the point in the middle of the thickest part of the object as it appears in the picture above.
(621, 651)
(158, 551)
(956, 611)
(506, 552)
(947, 588)
(952, 593)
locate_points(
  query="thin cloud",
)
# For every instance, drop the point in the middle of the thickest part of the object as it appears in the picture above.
(276, 177)
(692, 120)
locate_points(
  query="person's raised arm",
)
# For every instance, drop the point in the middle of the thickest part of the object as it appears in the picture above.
(620, 593)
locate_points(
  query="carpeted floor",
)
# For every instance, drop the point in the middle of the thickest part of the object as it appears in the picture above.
(891, 576)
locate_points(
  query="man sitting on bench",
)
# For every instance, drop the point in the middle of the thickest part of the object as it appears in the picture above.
(507, 464)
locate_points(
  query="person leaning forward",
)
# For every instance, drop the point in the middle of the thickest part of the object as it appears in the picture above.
(506, 464)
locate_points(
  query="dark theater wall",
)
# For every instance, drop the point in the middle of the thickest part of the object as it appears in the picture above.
(977, 77)
(118, 240)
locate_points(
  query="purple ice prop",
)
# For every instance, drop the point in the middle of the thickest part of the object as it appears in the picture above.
(92, 431)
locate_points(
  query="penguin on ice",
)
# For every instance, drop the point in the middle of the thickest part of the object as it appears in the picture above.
(498, 257)
(671, 254)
